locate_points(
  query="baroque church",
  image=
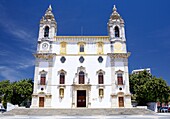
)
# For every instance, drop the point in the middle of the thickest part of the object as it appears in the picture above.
(81, 71)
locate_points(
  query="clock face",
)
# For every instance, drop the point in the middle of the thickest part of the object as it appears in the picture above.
(45, 46)
(118, 47)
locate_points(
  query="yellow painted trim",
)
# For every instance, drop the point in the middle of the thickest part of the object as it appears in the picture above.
(82, 54)
(101, 92)
(98, 48)
(63, 48)
(81, 36)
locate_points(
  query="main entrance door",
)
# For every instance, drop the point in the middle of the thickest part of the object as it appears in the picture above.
(41, 101)
(81, 98)
(121, 102)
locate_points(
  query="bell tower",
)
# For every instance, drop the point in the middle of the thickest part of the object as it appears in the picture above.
(118, 55)
(116, 32)
(48, 26)
(42, 94)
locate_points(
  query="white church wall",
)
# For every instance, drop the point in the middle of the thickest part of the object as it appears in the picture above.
(57, 101)
(91, 65)
(98, 102)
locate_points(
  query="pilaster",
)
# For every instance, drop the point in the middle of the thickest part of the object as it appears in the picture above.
(49, 78)
(36, 72)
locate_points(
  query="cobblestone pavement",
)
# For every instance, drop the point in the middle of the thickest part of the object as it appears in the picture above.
(159, 116)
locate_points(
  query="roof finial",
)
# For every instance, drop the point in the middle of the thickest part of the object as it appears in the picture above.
(50, 8)
(114, 8)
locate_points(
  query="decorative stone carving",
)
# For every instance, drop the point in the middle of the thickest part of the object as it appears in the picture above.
(48, 95)
(128, 95)
(43, 72)
(100, 71)
(119, 71)
(45, 55)
(85, 39)
(34, 95)
(62, 71)
(113, 95)
(119, 55)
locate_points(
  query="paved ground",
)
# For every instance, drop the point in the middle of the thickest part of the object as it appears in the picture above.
(158, 116)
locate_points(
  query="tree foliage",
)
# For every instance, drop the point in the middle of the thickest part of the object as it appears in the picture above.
(16, 92)
(146, 88)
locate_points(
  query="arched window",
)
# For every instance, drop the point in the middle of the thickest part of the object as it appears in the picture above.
(81, 77)
(120, 79)
(81, 48)
(62, 78)
(46, 31)
(116, 32)
(100, 78)
(43, 78)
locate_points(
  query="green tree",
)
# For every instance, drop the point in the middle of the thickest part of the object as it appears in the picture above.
(18, 92)
(146, 88)
(5, 92)
(137, 86)
(22, 91)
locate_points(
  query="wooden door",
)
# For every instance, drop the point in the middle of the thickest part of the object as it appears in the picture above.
(81, 98)
(41, 101)
(121, 102)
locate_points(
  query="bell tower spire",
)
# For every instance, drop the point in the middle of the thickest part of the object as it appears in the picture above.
(116, 32)
(48, 25)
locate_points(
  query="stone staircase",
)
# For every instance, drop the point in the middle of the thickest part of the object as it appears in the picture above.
(79, 112)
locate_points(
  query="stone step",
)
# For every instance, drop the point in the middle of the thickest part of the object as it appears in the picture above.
(79, 111)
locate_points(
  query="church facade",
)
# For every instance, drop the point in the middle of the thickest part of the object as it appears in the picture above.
(81, 71)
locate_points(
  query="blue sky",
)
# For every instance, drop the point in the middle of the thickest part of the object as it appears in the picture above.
(147, 24)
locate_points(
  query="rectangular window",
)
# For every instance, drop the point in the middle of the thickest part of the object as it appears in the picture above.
(81, 80)
(43, 79)
(81, 48)
(62, 78)
(100, 78)
(81, 77)
(120, 79)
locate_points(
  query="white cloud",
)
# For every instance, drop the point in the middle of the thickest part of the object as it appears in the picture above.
(31, 50)
(15, 71)
(22, 34)
(19, 32)
(14, 65)
(25, 63)
(10, 73)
